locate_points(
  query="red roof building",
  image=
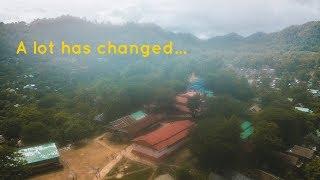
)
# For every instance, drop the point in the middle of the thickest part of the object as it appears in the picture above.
(163, 141)
(182, 101)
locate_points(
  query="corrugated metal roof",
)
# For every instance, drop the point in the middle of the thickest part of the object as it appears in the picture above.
(168, 134)
(138, 115)
(247, 129)
(245, 134)
(301, 151)
(245, 125)
(40, 153)
(302, 109)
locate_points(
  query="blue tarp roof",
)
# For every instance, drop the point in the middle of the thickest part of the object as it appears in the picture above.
(199, 86)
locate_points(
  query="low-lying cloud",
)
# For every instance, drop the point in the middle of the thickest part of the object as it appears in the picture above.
(204, 18)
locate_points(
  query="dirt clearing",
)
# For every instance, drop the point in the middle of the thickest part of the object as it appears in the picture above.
(84, 162)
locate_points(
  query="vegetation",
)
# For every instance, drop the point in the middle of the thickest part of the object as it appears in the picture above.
(216, 143)
(55, 98)
(312, 170)
(11, 164)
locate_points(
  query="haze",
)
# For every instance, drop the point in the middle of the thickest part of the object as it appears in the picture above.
(204, 18)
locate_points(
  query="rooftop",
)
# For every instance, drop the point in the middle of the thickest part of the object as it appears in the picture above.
(40, 153)
(164, 177)
(301, 151)
(247, 129)
(167, 135)
(209, 93)
(181, 100)
(290, 159)
(128, 120)
(302, 109)
(138, 115)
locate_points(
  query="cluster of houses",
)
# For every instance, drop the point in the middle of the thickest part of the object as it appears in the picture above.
(156, 136)
(296, 156)
(255, 76)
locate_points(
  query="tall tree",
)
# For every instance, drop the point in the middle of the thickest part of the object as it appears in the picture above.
(75, 131)
(216, 143)
(266, 140)
(10, 129)
(12, 166)
(194, 105)
(312, 169)
(35, 132)
(224, 106)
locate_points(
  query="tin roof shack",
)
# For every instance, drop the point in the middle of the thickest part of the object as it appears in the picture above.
(303, 109)
(163, 141)
(41, 158)
(314, 92)
(301, 152)
(293, 161)
(132, 125)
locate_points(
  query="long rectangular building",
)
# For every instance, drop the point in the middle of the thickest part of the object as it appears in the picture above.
(163, 141)
(133, 125)
(42, 157)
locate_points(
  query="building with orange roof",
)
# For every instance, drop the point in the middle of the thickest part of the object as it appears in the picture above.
(163, 141)
(182, 101)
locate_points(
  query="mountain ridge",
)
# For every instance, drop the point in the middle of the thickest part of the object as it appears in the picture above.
(304, 37)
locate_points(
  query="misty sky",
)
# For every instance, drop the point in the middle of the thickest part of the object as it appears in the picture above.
(203, 18)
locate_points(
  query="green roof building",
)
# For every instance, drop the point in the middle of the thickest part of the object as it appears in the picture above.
(132, 125)
(138, 115)
(42, 154)
(247, 130)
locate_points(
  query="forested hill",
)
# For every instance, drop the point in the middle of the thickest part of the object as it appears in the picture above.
(305, 37)
(76, 30)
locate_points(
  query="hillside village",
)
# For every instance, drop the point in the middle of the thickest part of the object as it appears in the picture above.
(153, 139)
(235, 108)
(149, 138)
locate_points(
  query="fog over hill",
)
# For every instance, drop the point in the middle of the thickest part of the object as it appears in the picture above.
(305, 37)
(67, 99)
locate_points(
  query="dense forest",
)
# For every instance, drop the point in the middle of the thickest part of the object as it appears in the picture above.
(56, 98)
